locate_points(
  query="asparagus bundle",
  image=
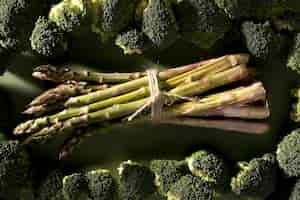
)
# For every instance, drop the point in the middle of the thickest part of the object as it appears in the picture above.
(87, 101)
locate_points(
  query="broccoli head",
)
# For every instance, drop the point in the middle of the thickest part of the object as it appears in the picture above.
(209, 166)
(256, 178)
(201, 22)
(159, 23)
(101, 184)
(15, 168)
(288, 155)
(295, 193)
(167, 172)
(47, 39)
(262, 42)
(75, 187)
(69, 15)
(290, 22)
(13, 15)
(294, 55)
(136, 181)
(132, 42)
(190, 187)
(51, 186)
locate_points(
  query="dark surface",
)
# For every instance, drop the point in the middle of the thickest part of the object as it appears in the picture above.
(146, 141)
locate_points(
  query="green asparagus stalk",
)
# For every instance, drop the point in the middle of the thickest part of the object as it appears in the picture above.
(54, 99)
(59, 75)
(162, 76)
(78, 114)
(244, 94)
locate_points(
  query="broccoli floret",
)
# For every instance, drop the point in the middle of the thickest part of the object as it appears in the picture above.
(290, 22)
(136, 181)
(201, 22)
(262, 42)
(101, 184)
(47, 39)
(191, 188)
(167, 172)
(209, 167)
(288, 155)
(159, 23)
(132, 42)
(51, 186)
(69, 15)
(256, 178)
(75, 187)
(295, 193)
(294, 55)
(15, 168)
(17, 19)
(237, 9)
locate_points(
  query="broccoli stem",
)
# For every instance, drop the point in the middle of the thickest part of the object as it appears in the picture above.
(121, 110)
(101, 111)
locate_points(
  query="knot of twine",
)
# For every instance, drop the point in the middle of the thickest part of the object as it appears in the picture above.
(157, 98)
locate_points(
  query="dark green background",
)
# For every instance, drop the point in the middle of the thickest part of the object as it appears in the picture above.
(146, 141)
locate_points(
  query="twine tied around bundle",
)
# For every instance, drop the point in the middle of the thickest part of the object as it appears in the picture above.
(157, 98)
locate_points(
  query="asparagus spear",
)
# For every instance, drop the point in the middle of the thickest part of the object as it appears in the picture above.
(95, 111)
(244, 94)
(166, 76)
(58, 75)
(54, 99)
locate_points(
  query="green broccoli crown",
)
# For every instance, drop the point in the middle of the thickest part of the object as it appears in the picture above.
(294, 55)
(75, 187)
(167, 172)
(51, 186)
(132, 42)
(295, 193)
(159, 23)
(117, 14)
(256, 178)
(190, 187)
(289, 22)
(209, 167)
(288, 155)
(262, 42)
(101, 184)
(136, 181)
(69, 15)
(13, 15)
(47, 39)
(201, 22)
(15, 167)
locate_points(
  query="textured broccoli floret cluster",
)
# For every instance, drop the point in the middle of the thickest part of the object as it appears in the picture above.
(17, 19)
(295, 193)
(209, 166)
(190, 187)
(75, 187)
(262, 42)
(294, 55)
(132, 42)
(159, 23)
(47, 39)
(51, 186)
(101, 184)
(201, 22)
(256, 178)
(15, 168)
(167, 172)
(288, 155)
(136, 181)
(69, 15)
